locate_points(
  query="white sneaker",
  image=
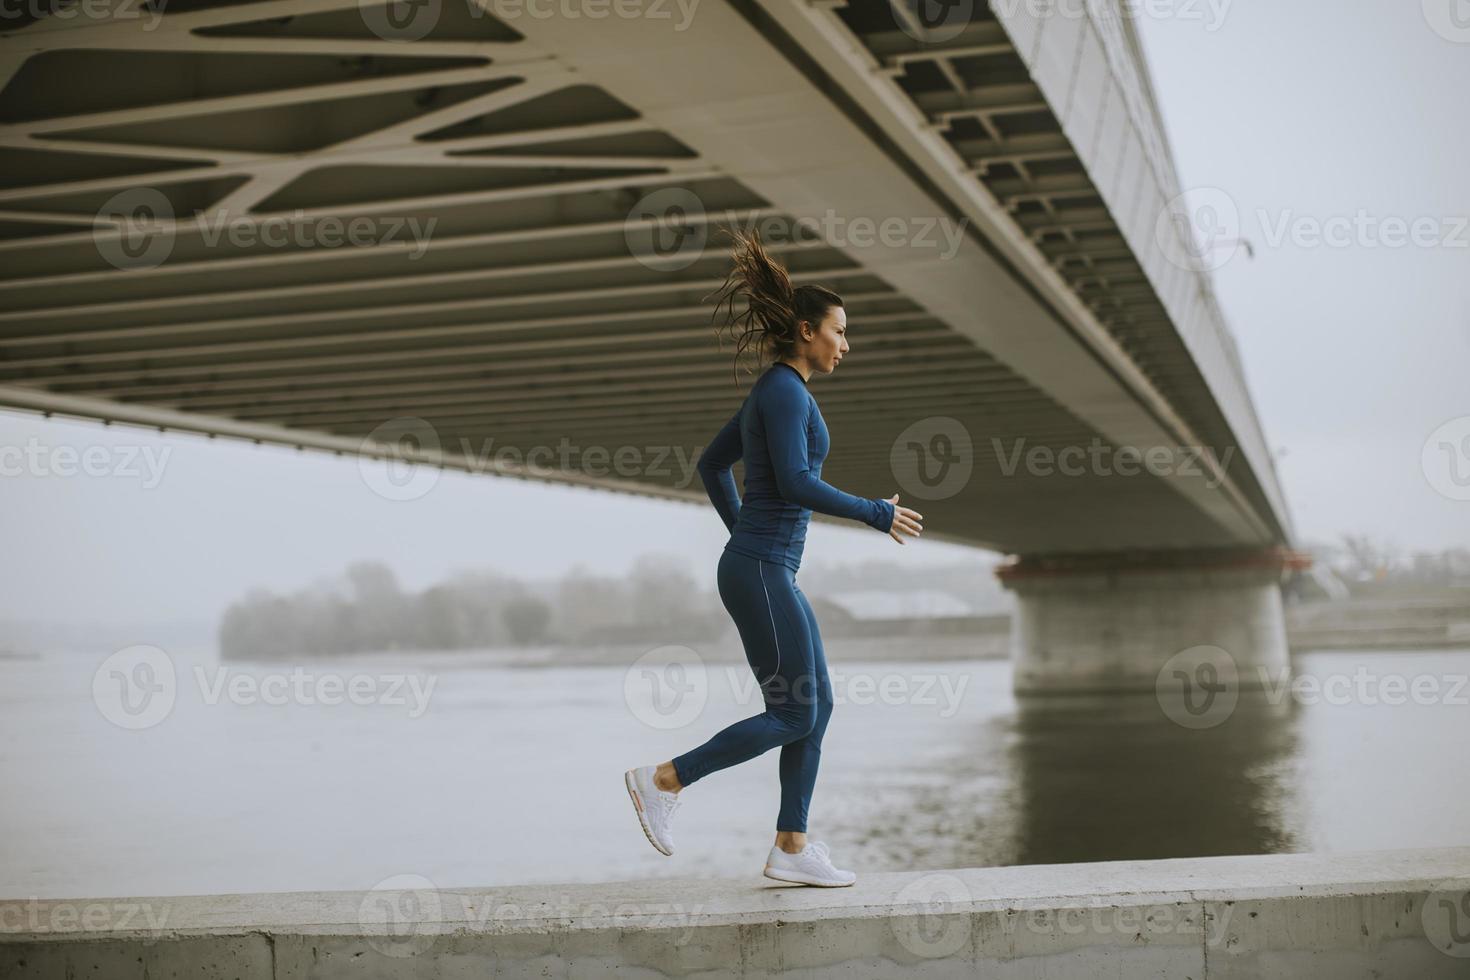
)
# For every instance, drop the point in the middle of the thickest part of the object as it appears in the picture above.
(812, 865)
(655, 807)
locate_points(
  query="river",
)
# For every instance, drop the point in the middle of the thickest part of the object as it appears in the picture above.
(255, 779)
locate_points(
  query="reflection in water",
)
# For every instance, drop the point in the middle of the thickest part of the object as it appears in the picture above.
(1112, 778)
(1091, 778)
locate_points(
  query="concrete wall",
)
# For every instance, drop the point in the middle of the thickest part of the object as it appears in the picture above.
(1384, 914)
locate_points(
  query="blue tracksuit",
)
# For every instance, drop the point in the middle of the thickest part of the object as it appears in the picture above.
(780, 434)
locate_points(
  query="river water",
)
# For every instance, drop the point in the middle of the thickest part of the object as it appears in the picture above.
(253, 780)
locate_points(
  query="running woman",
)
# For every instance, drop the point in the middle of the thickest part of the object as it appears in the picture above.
(780, 434)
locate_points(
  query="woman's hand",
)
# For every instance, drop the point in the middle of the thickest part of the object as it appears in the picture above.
(904, 520)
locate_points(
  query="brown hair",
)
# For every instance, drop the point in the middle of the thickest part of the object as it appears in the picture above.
(773, 306)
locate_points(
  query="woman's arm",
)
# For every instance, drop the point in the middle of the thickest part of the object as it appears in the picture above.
(714, 469)
(783, 409)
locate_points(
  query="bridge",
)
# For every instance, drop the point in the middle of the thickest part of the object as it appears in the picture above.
(480, 233)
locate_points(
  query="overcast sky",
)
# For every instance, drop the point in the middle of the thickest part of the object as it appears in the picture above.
(1355, 355)
(1306, 112)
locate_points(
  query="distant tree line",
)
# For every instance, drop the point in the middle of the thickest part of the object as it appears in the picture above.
(367, 611)
(1362, 559)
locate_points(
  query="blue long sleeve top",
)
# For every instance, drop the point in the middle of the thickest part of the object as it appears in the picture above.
(781, 435)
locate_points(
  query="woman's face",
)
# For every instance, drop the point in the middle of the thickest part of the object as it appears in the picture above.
(829, 341)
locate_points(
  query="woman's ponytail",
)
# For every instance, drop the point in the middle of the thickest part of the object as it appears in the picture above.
(773, 306)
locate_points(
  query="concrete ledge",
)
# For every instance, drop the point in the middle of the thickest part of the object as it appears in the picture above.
(1396, 914)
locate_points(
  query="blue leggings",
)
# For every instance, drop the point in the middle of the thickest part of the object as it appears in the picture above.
(784, 650)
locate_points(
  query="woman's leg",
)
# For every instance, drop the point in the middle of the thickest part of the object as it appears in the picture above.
(799, 759)
(774, 629)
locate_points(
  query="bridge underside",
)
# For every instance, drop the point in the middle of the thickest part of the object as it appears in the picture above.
(509, 288)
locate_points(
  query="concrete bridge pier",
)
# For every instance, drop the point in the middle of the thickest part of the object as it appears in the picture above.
(1178, 622)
